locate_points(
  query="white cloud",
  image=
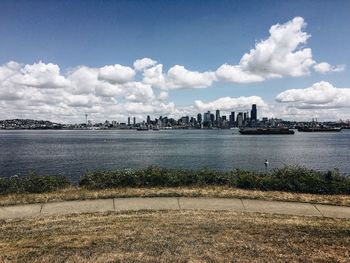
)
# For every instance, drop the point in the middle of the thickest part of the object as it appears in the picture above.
(324, 67)
(41, 91)
(163, 95)
(154, 76)
(39, 75)
(319, 95)
(137, 91)
(141, 64)
(278, 56)
(83, 80)
(235, 74)
(177, 77)
(116, 74)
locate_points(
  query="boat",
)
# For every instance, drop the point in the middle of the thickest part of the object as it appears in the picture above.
(319, 129)
(264, 131)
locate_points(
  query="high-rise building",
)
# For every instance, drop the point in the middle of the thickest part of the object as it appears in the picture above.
(148, 119)
(199, 118)
(240, 119)
(217, 116)
(134, 121)
(232, 118)
(207, 116)
(253, 113)
(128, 121)
(212, 118)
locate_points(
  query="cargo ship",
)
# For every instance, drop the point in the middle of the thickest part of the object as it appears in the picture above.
(264, 131)
(319, 129)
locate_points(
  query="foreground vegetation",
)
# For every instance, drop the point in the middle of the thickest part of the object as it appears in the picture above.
(294, 179)
(290, 183)
(289, 179)
(174, 236)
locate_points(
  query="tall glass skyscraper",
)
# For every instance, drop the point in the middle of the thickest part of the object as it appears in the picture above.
(253, 113)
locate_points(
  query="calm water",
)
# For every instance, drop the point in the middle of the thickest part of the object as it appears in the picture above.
(73, 152)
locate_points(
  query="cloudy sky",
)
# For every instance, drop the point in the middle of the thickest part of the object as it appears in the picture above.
(114, 59)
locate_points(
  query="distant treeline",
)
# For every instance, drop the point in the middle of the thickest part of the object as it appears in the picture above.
(296, 179)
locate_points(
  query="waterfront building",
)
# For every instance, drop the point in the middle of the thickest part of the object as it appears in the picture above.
(199, 118)
(212, 118)
(253, 113)
(128, 121)
(217, 117)
(134, 121)
(240, 119)
(232, 119)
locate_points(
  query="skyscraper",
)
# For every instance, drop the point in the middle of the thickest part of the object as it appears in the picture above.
(212, 118)
(253, 113)
(240, 119)
(199, 118)
(148, 119)
(128, 121)
(217, 117)
(134, 121)
(232, 118)
(207, 116)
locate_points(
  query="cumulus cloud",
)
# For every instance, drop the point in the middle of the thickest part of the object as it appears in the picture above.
(141, 64)
(321, 95)
(279, 55)
(39, 90)
(116, 74)
(235, 74)
(177, 77)
(324, 67)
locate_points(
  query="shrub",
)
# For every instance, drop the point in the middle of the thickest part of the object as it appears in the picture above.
(289, 178)
(33, 183)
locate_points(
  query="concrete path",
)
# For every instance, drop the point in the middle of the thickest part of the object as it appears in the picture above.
(173, 203)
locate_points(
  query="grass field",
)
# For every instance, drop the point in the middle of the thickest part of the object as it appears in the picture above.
(75, 193)
(175, 236)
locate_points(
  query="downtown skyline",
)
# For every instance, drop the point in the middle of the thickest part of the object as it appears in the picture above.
(292, 65)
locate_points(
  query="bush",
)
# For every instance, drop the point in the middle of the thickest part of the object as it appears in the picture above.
(295, 179)
(33, 183)
(289, 178)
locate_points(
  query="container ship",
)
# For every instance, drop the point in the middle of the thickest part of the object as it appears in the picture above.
(319, 129)
(263, 131)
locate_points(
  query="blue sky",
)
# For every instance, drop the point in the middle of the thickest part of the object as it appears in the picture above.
(200, 35)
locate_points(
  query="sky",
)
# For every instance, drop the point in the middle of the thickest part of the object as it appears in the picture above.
(115, 59)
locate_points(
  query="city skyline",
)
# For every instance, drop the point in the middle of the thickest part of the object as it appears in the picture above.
(290, 61)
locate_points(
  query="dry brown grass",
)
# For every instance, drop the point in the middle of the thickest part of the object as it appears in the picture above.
(175, 236)
(212, 191)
